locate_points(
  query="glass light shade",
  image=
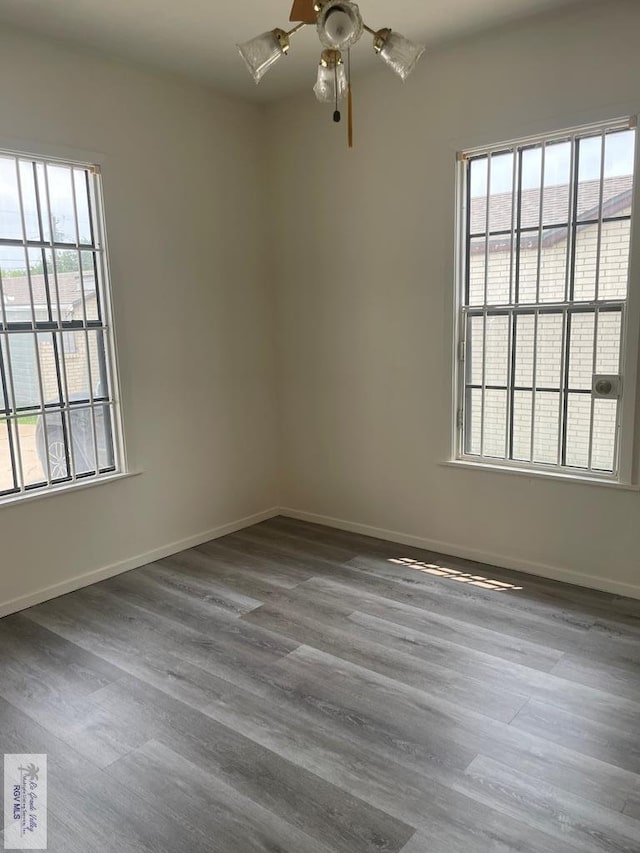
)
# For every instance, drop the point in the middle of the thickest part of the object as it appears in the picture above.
(340, 24)
(400, 54)
(261, 53)
(325, 88)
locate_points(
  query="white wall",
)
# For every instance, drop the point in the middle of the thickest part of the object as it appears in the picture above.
(361, 251)
(365, 283)
(183, 185)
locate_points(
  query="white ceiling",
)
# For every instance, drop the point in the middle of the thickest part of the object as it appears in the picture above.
(198, 37)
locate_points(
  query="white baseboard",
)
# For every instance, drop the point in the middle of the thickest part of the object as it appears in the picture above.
(528, 567)
(132, 563)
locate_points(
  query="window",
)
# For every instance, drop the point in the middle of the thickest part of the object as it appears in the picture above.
(543, 301)
(59, 422)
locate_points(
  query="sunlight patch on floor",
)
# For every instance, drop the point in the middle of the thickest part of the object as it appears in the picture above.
(454, 574)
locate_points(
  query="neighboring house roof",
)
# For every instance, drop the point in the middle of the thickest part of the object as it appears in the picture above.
(617, 194)
(617, 201)
(16, 289)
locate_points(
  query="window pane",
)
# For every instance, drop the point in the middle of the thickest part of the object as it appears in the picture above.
(552, 261)
(35, 229)
(578, 430)
(586, 263)
(473, 421)
(478, 191)
(608, 348)
(604, 434)
(546, 428)
(497, 350)
(581, 351)
(525, 334)
(527, 279)
(32, 464)
(475, 348)
(522, 409)
(501, 215)
(90, 285)
(549, 351)
(15, 285)
(618, 175)
(84, 450)
(81, 183)
(550, 256)
(43, 204)
(7, 482)
(48, 357)
(81, 382)
(501, 193)
(68, 264)
(60, 187)
(24, 370)
(23, 274)
(620, 155)
(104, 429)
(55, 445)
(73, 349)
(589, 172)
(495, 424)
(10, 222)
(557, 176)
(67, 285)
(30, 365)
(531, 167)
(614, 260)
(476, 270)
(499, 271)
(5, 379)
(553, 265)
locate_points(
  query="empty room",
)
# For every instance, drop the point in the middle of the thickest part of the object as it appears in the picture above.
(319, 426)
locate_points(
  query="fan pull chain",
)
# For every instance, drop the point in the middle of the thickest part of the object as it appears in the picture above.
(350, 99)
(336, 115)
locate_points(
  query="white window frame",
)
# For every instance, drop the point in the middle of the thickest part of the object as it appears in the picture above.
(624, 474)
(76, 480)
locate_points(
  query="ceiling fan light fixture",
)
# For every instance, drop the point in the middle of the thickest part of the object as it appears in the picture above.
(331, 85)
(340, 24)
(262, 52)
(400, 54)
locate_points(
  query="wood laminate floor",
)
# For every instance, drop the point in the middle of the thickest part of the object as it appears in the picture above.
(296, 689)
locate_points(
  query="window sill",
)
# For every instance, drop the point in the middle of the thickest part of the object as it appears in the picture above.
(573, 479)
(66, 488)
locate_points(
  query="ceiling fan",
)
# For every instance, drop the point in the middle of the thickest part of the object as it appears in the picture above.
(339, 26)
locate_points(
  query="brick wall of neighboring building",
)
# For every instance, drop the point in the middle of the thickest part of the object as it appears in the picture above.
(613, 282)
